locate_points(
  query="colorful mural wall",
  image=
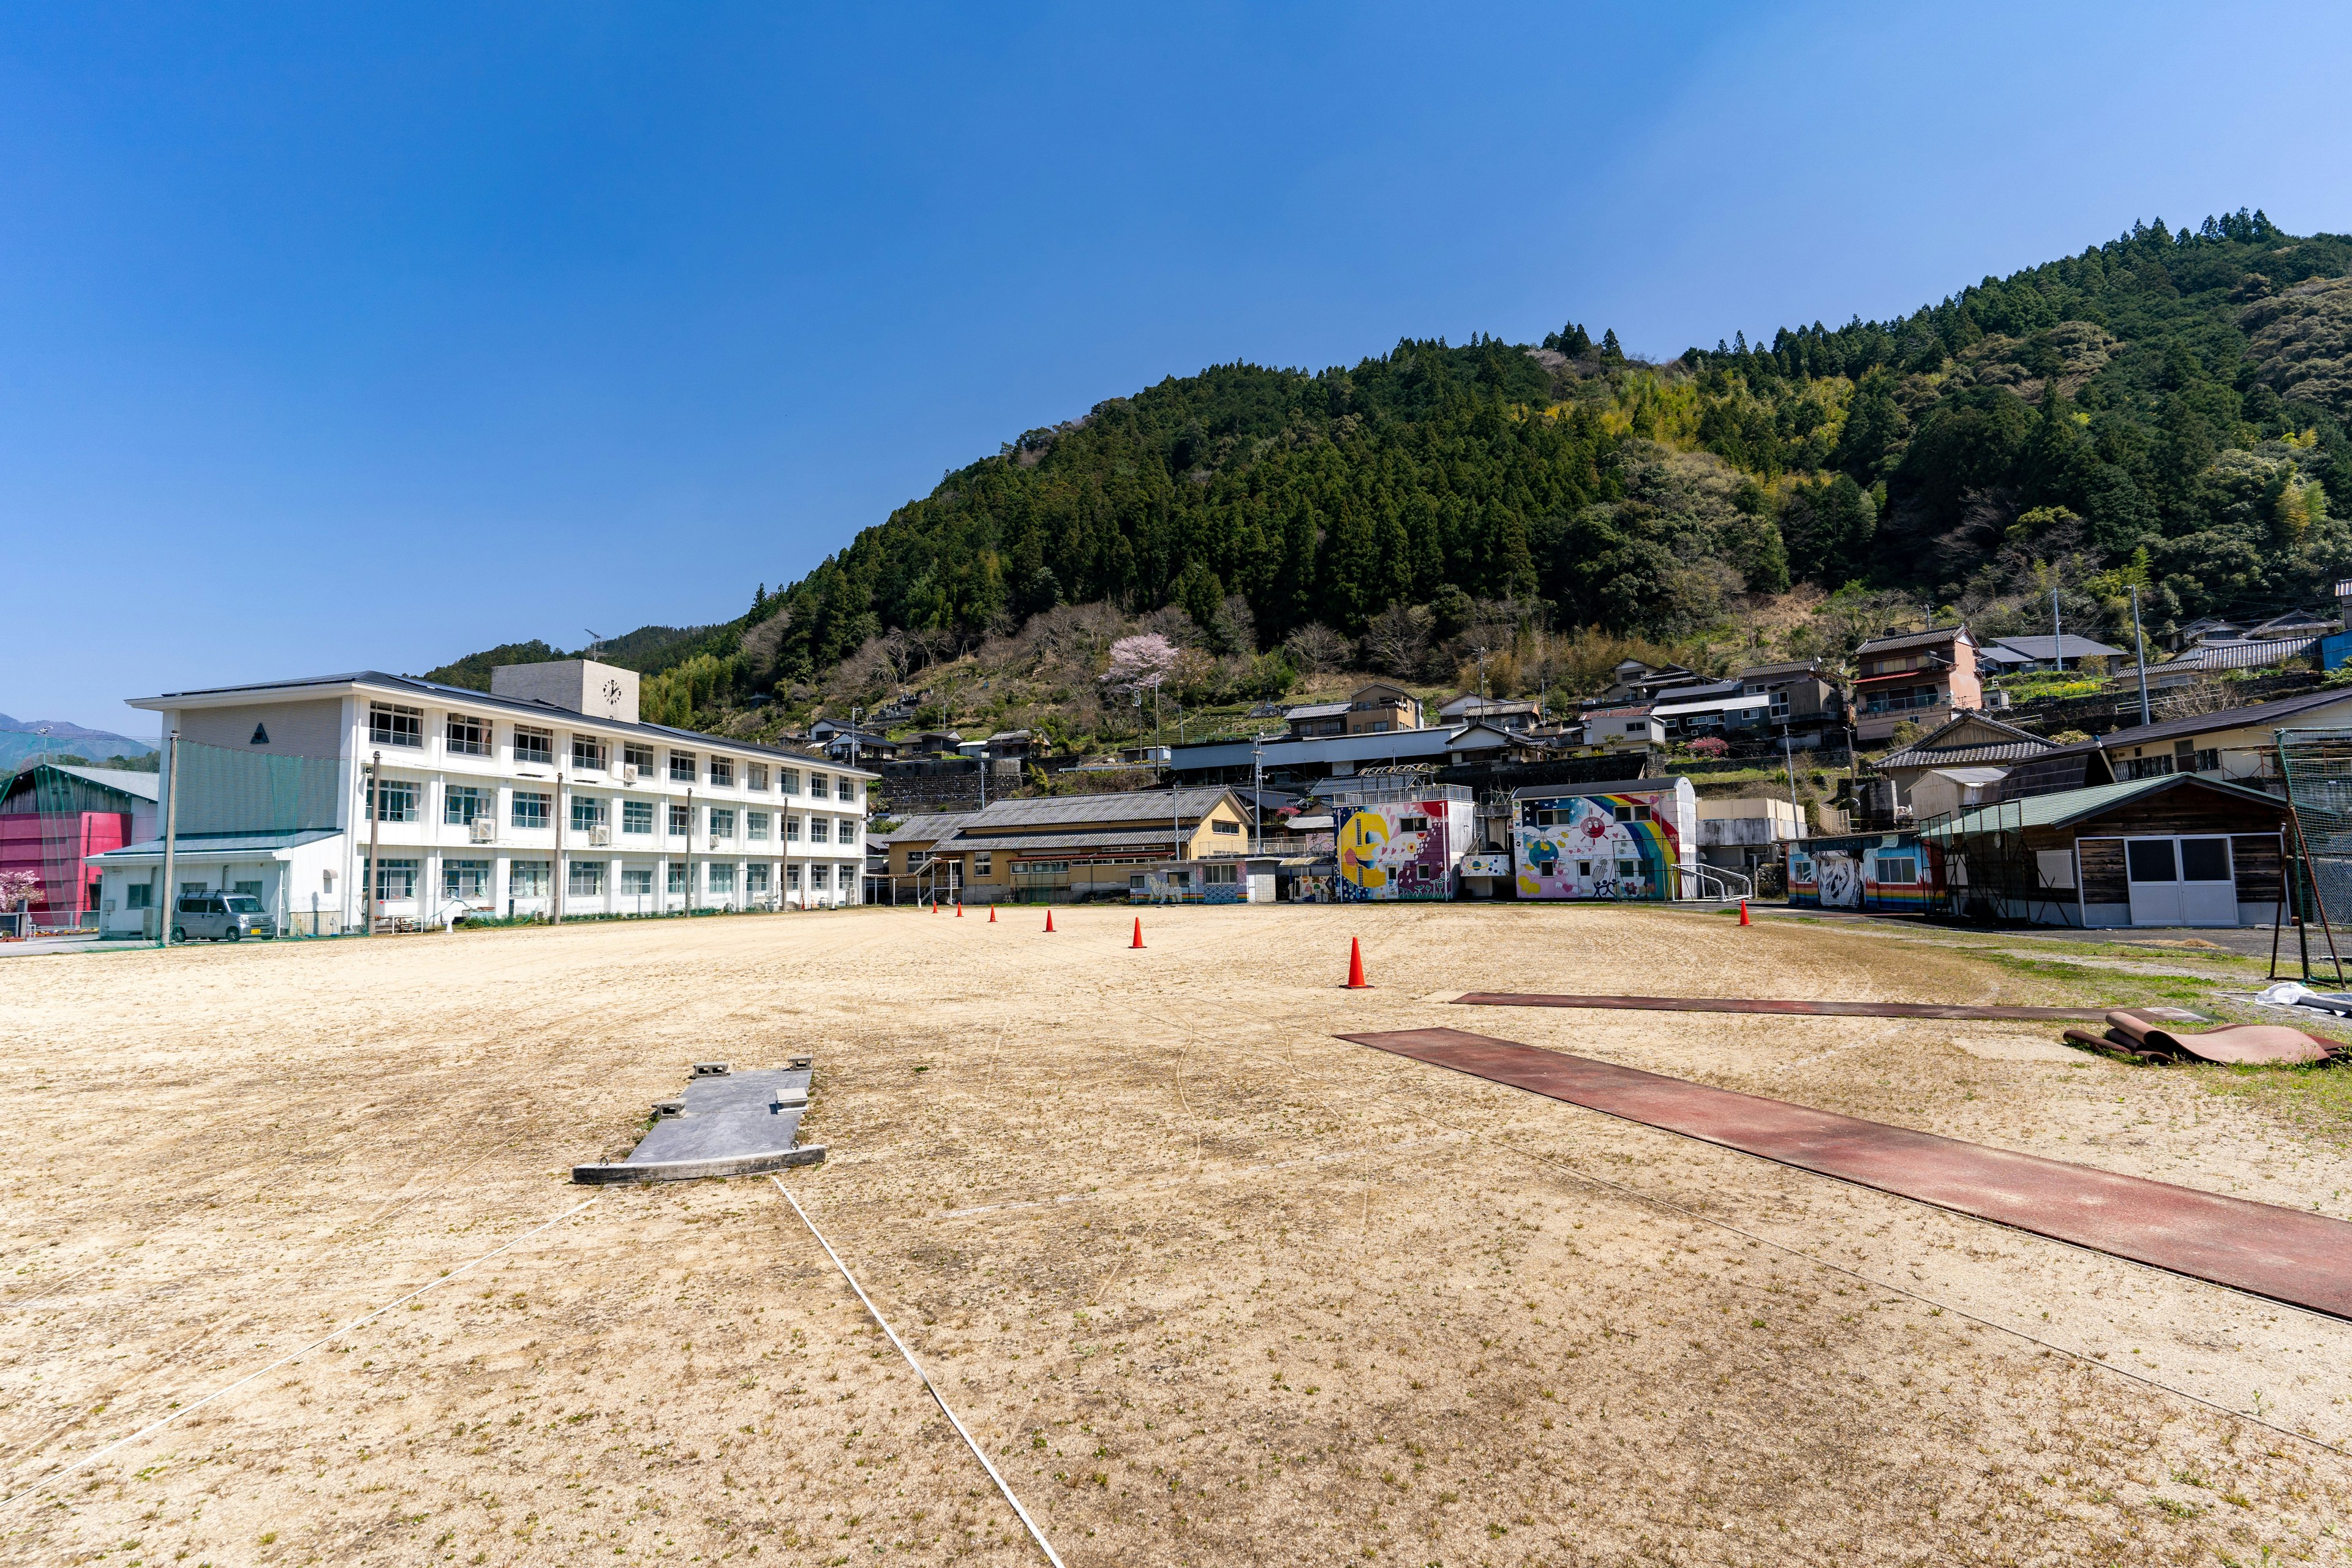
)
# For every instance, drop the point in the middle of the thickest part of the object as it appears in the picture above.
(1618, 846)
(1869, 873)
(1401, 848)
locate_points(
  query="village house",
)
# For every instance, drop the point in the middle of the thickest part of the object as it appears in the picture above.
(1921, 677)
(1076, 846)
(1961, 764)
(2236, 743)
(1378, 708)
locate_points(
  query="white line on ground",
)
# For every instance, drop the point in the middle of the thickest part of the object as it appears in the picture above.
(153, 1426)
(937, 1398)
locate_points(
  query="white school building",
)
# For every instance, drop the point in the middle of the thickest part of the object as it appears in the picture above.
(543, 796)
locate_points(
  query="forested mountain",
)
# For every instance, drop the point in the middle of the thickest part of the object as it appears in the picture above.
(2169, 409)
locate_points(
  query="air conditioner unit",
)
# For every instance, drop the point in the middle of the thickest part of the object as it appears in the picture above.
(599, 836)
(629, 773)
(483, 830)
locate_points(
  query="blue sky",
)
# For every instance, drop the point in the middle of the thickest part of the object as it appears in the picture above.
(332, 341)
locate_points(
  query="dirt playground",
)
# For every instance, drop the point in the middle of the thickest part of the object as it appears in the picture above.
(1210, 1285)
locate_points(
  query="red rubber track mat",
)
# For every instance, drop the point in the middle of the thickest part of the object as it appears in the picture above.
(2303, 1259)
(1748, 1005)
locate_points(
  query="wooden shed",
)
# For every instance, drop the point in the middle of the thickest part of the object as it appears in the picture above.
(2187, 849)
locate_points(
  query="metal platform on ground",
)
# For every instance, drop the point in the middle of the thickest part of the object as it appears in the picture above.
(729, 1122)
(2303, 1259)
(1747, 1004)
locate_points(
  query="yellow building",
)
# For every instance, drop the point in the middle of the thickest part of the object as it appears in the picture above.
(1068, 846)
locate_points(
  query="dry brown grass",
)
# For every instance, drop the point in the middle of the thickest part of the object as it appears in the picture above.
(1215, 1286)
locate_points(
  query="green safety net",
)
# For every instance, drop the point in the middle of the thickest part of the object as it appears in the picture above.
(224, 790)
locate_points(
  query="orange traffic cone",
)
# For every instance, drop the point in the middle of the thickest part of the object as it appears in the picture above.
(959, 908)
(1743, 913)
(1049, 918)
(1356, 981)
(992, 914)
(1138, 934)
(935, 906)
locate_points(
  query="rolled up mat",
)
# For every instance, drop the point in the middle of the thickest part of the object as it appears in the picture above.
(2242, 1045)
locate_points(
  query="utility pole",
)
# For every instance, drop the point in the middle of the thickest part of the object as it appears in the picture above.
(1788, 755)
(171, 836)
(555, 872)
(1257, 794)
(2057, 662)
(2140, 647)
(374, 893)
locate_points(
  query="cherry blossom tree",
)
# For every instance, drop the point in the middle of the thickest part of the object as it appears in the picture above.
(1140, 663)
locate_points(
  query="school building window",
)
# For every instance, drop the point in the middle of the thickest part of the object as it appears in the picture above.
(756, 777)
(588, 754)
(681, 821)
(681, 767)
(393, 879)
(636, 880)
(722, 878)
(392, 800)
(587, 813)
(722, 772)
(468, 737)
(755, 825)
(530, 809)
(460, 804)
(817, 829)
(527, 878)
(792, 830)
(722, 822)
(677, 877)
(788, 780)
(755, 879)
(638, 757)
(389, 724)
(587, 880)
(466, 879)
(534, 747)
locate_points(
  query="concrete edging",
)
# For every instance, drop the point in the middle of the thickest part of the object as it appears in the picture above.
(620, 1173)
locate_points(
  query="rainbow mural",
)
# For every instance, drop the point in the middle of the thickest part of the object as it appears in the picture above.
(1875, 873)
(1597, 846)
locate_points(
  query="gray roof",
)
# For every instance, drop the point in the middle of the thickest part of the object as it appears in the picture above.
(2069, 646)
(1071, 810)
(1913, 639)
(2249, 655)
(2074, 805)
(929, 827)
(124, 781)
(1786, 667)
(1075, 840)
(2261, 715)
(207, 845)
(466, 696)
(1317, 711)
(1925, 753)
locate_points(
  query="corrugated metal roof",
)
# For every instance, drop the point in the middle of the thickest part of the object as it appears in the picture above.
(207, 845)
(125, 781)
(1713, 705)
(1913, 639)
(2068, 645)
(1072, 810)
(1316, 711)
(929, 827)
(2074, 804)
(1071, 841)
